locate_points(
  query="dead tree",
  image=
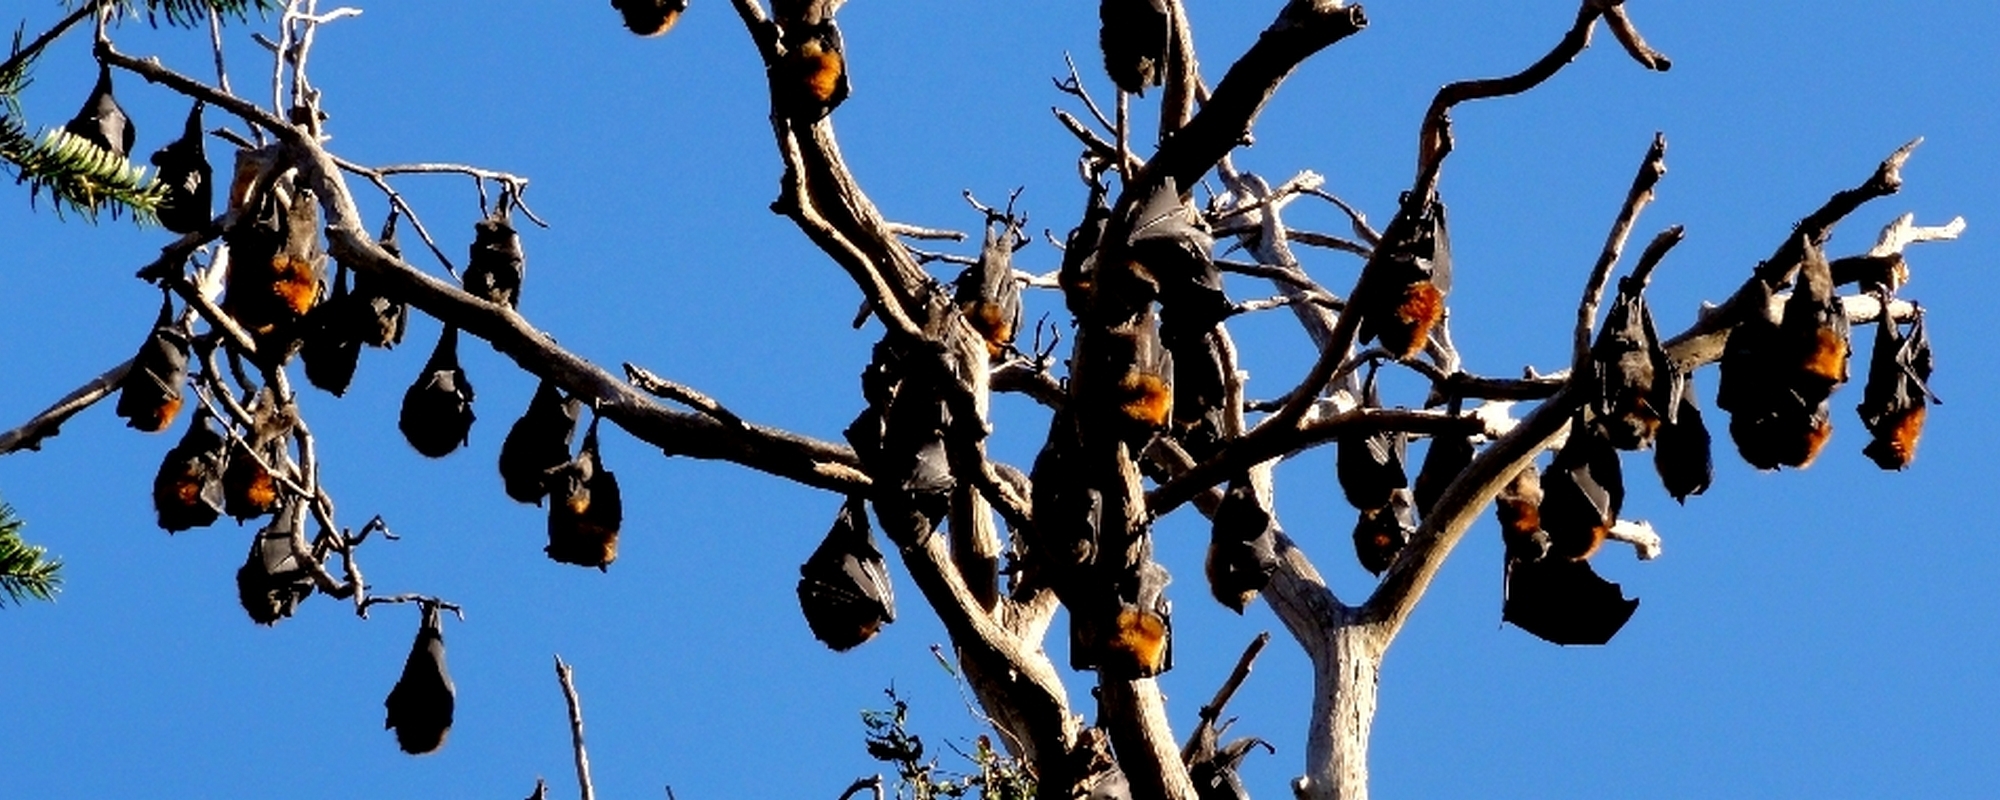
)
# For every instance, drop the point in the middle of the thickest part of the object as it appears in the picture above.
(1147, 413)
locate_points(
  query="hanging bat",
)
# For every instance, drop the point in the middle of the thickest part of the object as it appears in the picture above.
(1893, 404)
(276, 263)
(587, 509)
(1381, 533)
(1582, 492)
(1447, 456)
(1068, 512)
(495, 268)
(1565, 602)
(1408, 278)
(151, 394)
(900, 439)
(1681, 449)
(1199, 393)
(187, 491)
(274, 580)
(1369, 465)
(844, 586)
(538, 442)
(1630, 377)
(1173, 245)
(1129, 381)
(1141, 641)
(420, 705)
(1133, 35)
(1242, 548)
(1077, 275)
(810, 78)
(1519, 509)
(374, 317)
(650, 17)
(437, 408)
(185, 176)
(1771, 420)
(1815, 327)
(248, 488)
(101, 121)
(330, 351)
(986, 292)
(1212, 769)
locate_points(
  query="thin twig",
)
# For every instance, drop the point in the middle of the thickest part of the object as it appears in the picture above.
(576, 731)
(685, 395)
(30, 434)
(1636, 200)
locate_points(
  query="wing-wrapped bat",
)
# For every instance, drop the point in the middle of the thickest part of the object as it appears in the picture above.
(1369, 465)
(248, 488)
(650, 17)
(1381, 533)
(1893, 404)
(437, 408)
(151, 395)
(1631, 380)
(1128, 383)
(1077, 276)
(1212, 769)
(1771, 418)
(1408, 279)
(1681, 449)
(1565, 602)
(1174, 246)
(274, 580)
(1815, 328)
(101, 121)
(187, 491)
(420, 706)
(1447, 456)
(1133, 35)
(844, 586)
(1068, 511)
(538, 442)
(1140, 644)
(1582, 492)
(188, 181)
(810, 78)
(900, 439)
(1242, 548)
(1519, 509)
(586, 511)
(330, 350)
(374, 317)
(496, 266)
(276, 263)
(987, 293)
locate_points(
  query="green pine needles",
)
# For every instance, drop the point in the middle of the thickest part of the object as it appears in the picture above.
(77, 175)
(25, 572)
(187, 13)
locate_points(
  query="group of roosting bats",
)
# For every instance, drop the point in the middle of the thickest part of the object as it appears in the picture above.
(1142, 373)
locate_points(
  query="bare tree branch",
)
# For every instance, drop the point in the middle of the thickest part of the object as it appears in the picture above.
(584, 789)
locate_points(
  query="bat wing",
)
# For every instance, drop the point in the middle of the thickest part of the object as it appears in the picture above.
(1565, 602)
(421, 704)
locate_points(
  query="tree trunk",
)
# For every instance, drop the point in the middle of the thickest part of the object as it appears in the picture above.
(1346, 672)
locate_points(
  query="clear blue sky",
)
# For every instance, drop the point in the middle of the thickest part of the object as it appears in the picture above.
(1826, 633)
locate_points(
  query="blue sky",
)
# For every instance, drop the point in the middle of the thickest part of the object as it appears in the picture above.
(1820, 633)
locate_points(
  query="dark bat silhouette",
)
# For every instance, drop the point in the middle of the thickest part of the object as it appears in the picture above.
(374, 317)
(844, 587)
(1409, 277)
(1582, 492)
(1681, 448)
(187, 180)
(420, 706)
(650, 17)
(1776, 378)
(1133, 35)
(1369, 464)
(437, 409)
(538, 442)
(586, 509)
(1447, 456)
(1242, 548)
(1381, 533)
(810, 79)
(1565, 602)
(187, 491)
(1128, 383)
(1631, 378)
(1212, 769)
(1077, 276)
(496, 266)
(151, 395)
(330, 350)
(987, 293)
(1893, 404)
(273, 581)
(101, 121)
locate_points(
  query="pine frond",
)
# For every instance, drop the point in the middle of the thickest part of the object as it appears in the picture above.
(189, 13)
(78, 175)
(25, 572)
(14, 74)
